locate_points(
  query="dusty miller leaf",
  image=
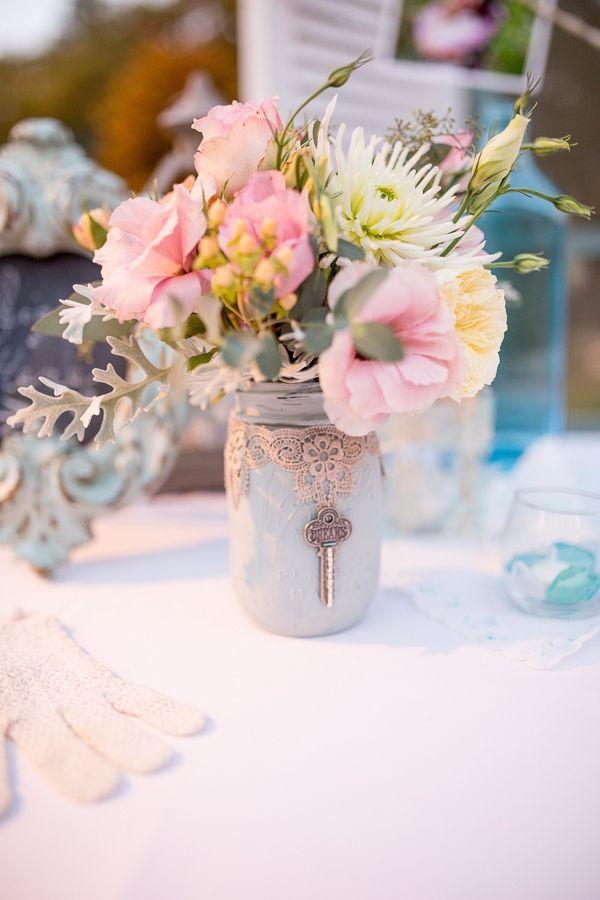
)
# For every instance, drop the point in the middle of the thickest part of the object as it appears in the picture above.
(48, 408)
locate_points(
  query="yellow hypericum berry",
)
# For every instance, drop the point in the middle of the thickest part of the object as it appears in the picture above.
(247, 244)
(239, 228)
(288, 302)
(209, 247)
(284, 257)
(216, 213)
(223, 279)
(264, 272)
(269, 228)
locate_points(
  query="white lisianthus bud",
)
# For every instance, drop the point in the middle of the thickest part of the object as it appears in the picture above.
(495, 161)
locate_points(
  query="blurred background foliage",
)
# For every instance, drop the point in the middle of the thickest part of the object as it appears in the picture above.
(115, 69)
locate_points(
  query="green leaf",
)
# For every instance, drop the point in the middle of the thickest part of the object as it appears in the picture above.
(269, 360)
(201, 359)
(349, 250)
(98, 232)
(317, 338)
(240, 348)
(311, 294)
(315, 316)
(95, 332)
(375, 340)
(352, 301)
(44, 410)
(260, 302)
(194, 326)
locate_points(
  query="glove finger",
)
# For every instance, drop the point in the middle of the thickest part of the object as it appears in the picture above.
(123, 741)
(5, 792)
(163, 713)
(64, 760)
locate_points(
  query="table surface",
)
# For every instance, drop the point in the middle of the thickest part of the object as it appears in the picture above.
(396, 760)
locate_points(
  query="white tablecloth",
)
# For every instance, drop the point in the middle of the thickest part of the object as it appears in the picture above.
(397, 760)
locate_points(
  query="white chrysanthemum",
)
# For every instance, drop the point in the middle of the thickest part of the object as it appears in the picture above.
(479, 311)
(391, 207)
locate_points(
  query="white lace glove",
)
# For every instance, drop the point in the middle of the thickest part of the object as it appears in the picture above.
(63, 709)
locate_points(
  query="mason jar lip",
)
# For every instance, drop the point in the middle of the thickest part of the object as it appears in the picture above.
(527, 497)
(272, 387)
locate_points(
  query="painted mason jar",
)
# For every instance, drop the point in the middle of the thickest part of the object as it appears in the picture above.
(305, 512)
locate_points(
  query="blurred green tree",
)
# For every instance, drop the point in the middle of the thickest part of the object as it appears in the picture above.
(111, 73)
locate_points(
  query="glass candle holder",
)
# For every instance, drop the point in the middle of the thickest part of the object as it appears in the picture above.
(551, 550)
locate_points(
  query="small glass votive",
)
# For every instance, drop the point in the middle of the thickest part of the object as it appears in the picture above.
(551, 552)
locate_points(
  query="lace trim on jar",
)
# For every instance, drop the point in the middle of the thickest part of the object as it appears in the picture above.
(321, 457)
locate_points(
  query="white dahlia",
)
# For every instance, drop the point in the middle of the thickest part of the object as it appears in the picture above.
(394, 209)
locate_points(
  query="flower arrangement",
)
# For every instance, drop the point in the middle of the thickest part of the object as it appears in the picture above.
(297, 254)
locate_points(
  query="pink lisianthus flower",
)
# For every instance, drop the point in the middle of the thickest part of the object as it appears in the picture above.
(455, 31)
(275, 220)
(237, 140)
(361, 393)
(457, 162)
(147, 258)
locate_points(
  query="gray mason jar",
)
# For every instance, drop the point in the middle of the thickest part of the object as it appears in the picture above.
(285, 466)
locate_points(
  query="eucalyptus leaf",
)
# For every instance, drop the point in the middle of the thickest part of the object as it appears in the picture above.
(240, 348)
(348, 250)
(269, 360)
(315, 316)
(261, 302)
(352, 301)
(375, 340)
(317, 338)
(311, 293)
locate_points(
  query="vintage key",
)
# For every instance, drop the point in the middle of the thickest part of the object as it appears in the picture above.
(325, 532)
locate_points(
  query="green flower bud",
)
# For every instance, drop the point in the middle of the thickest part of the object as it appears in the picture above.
(523, 263)
(573, 207)
(544, 146)
(339, 77)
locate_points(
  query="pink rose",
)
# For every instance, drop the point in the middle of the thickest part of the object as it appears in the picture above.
(147, 258)
(236, 141)
(361, 393)
(455, 31)
(278, 220)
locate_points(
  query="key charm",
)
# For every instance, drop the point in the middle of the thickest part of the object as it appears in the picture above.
(325, 532)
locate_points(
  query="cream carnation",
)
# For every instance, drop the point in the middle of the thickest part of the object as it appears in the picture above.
(480, 320)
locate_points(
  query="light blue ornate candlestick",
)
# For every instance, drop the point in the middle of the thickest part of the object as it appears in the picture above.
(51, 490)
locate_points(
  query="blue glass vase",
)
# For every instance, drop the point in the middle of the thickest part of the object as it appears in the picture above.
(530, 386)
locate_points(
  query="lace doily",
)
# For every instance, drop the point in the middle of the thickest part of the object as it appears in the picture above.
(479, 609)
(321, 457)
